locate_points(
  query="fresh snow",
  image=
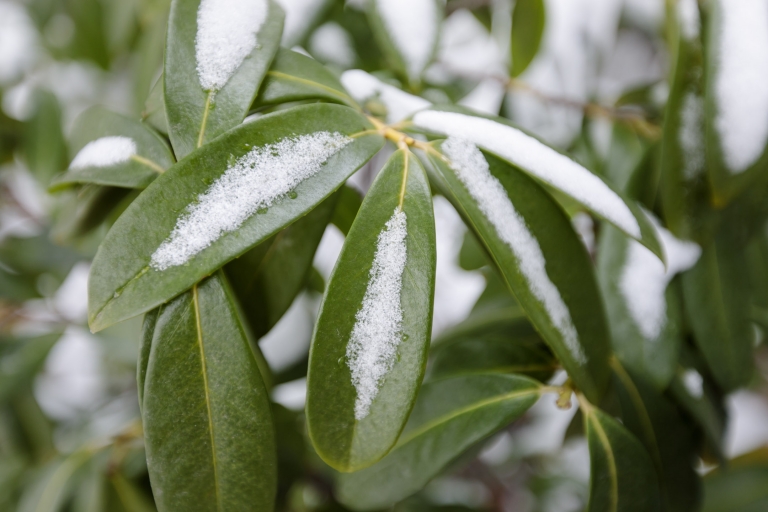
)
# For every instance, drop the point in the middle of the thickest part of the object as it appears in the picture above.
(643, 281)
(740, 84)
(104, 152)
(412, 25)
(252, 183)
(473, 171)
(537, 159)
(226, 35)
(372, 347)
(399, 104)
(691, 136)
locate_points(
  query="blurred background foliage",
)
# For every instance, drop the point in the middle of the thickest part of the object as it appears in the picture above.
(591, 77)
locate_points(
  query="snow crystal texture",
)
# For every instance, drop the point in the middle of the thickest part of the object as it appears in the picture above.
(399, 104)
(226, 34)
(473, 171)
(372, 347)
(691, 136)
(412, 25)
(104, 152)
(537, 159)
(255, 181)
(740, 84)
(643, 281)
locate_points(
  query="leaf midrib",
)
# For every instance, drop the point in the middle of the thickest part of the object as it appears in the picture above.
(344, 97)
(199, 327)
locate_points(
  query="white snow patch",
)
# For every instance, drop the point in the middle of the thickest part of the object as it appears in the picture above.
(226, 34)
(644, 280)
(413, 26)
(363, 87)
(536, 158)
(378, 326)
(331, 43)
(104, 152)
(694, 383)
(740, 84)
(691, 135)
(299, 15)
(253, 182)
(472, 169)
(689, 17)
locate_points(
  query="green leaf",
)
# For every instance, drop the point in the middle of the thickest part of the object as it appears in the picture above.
(154, 109)
(151, 157)
(145, 349)
(644, 310)
(449, 417)
(354, 416)
(196, 115)
(562, 302)
(123, 284)
(347, 207)
(717, 301)
(736, 140)
(528, 21)
(44, 147)
(622, 474)
(20, 361)
(407, 36)
(87, 208)
(685, 189)
(296, 77)
(668, 438)
(268, 278)
(551, 168)
(207, 420)
(124, 496)
(742, 486)
(49, 490)
(499, 341)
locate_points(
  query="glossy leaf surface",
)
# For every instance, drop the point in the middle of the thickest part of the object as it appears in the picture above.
(622, 474)
(196, 116)
(152, 156)
(566, 265)
(123, 284)
(343, 438)
(296, 77)
(450, 416)
(207, 421)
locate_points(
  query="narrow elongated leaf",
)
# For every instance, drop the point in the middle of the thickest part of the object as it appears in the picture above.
(670, 441)
(503, 341)
(407, 32)
(110, 149)
(717, 302)
(309, 151)
(45, 149)
(685, 190)
(216, 56)
(545, 164)
(145, 348)
(49, 491)
(528, 20)
(742, 486)
(207, 420)
(534, 246)
(346, 210)
(154, 109)
(296, 77)
(20, 360)
(124, 496)
(450, 416)
(644, 310)
(736, 98)
(622, 474)
(268, 278)
(370, 346)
